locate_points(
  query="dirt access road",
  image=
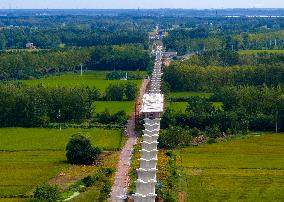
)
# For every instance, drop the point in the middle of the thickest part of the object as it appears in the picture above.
(121, 181)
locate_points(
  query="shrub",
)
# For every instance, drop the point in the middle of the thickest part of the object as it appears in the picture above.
(211, 141)
(261, 122)
(80, 151)
(105, 191)
(46, 193)
(115, 92)
(174, 137)
(106, 118)
(195, 132)
(213, 132)
(130, 91)
(89, 181)
(108, 171)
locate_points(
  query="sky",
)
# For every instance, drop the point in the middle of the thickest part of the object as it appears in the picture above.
(127, 4)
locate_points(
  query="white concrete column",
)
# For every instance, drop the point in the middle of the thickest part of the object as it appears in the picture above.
(149, 146)
(147, 175)
(145, 188)
(152, 121)
(148, 155)
(150, 138)
(148, 164)
(151, 132)
(152, 127)
(141, 198)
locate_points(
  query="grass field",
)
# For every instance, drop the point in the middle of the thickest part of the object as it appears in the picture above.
(29, 157)
(248, 169)
(92, 78)
(36, 139)
(190, 94)
(250, 52)
(114, 106)
(21, 171)
(181, 106)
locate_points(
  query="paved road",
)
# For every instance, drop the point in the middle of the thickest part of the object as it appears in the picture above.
(121, 182)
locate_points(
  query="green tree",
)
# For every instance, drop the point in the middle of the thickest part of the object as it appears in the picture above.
(130, 91)
(79, 150)
(174, 137)
(46, 193)
(115, 92)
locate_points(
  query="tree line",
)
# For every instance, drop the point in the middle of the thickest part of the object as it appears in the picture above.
(126, 57)
(264, 106)
(35, 106)
(52, 31)
(186, 77)
(201, 38)
(26, 65)
(245, 108)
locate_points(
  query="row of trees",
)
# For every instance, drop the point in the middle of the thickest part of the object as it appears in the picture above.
(232, 58)
(39, 106)
(119, 92)
(202, 114)
(245, 108)
(126, 57)
(264, 106)
(26, 65)
(50, 32)
(186, 77)
(248, 41)
(212, 37)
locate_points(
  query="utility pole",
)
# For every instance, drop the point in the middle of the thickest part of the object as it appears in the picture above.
(276, 122)
(59, 118)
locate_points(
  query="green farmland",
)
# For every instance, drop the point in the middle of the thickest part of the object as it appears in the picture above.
(93, 79)
(248, 169)
(181, 106)
(114, 106)
(33, 156)
(35, 139)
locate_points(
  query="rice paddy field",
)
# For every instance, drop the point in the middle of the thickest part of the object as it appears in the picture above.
(246, 169)
(93, 79)
(29, 157)
(181, 106)
(114, 106)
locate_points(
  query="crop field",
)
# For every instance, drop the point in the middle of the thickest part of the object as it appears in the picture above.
(248, 169)
(92, 79)
(250, 52)
(181, 106)
(37, 139)
(21, 171)
(29, 157)
(190, 94)
(114, 106)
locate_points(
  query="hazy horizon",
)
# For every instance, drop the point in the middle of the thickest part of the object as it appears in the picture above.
(143, 4)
